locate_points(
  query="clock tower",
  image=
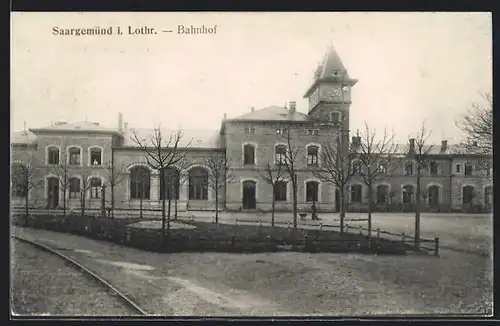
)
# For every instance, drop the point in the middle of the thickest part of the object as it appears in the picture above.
(330, 93)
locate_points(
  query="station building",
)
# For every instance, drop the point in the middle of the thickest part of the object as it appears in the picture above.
(93, 155)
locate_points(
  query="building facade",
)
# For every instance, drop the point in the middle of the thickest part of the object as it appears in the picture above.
(70, 162)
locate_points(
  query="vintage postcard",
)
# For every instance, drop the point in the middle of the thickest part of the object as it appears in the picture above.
(245, 164)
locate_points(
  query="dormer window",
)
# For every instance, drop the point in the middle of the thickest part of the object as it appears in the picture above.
(335, 73)
(281, 131)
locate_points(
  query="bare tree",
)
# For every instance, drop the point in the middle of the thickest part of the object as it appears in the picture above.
(182, 179)
(335, 167)
(162, 153)
(61, 171)
(116, 176)
(273, 176)
(287, 156)
(477, 125)
(376, 161)
(25, 176)
(220, 174)
(85, 185)
(419, 150)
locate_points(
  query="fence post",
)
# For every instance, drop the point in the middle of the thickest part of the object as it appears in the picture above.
(347, 228)
(235, 221)
(360, 230)
(320, 227)
(260, 223)
(305, 241)
(403, 239)
(378, 234)
(436, 247)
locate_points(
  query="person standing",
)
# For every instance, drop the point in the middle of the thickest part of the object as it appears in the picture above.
(314, 216)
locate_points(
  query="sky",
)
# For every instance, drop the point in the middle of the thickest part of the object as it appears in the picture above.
(411, 67)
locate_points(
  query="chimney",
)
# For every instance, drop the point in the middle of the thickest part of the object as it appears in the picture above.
(252, 109)
(120, 122)
(225, 116)
(356, 141)
(125, 126)
(412, 145)
(292, 106)
(25, 130)
(444, 145)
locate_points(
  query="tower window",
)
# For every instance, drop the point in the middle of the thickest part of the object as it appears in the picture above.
(335, 73)
(335, 117)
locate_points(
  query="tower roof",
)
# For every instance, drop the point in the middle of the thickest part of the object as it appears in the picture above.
(332, 64)
(331, 69)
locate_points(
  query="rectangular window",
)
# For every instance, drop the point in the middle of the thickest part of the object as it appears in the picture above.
(280, 191)
(408, 168)
(53, 156)
(252, 131)
(312, 191)
(468, 169)
(74, 156)
(74, 188)
(458, 168)
(95, 188)
(95, 156)
(312, 132)
(433, 168)
(356, 194)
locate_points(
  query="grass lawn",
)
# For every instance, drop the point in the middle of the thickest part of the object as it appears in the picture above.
(207, 236)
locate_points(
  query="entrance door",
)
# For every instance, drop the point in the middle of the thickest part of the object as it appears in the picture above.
(53, 192)
(433, 197)
(249, 201)
(337, 200)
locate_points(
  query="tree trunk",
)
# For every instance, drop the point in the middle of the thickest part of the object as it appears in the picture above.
(370, 200)
(26, 212)
(294, 209)
(417, 214)
(168, 215)
(216, 202)
(273, 207)
(175, 207)
(342, 212)
(112, 201)
(64, 201)
(163, 209)
(82, 203)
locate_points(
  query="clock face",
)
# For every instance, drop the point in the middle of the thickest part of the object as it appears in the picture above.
(335, 92)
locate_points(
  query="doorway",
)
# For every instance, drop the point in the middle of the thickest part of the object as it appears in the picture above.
(249, 201)
(53, 192)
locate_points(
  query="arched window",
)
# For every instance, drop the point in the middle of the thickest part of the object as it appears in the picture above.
(95, 187)
(74, 187)
(95, 156)
(433, 196)
(248, 154)
(140, 182)
(198, 184)
(468, 195)
(469, 167)
(20, 180)
(382, 194)
(408, 168)
(356, 193)
(408, 192)
(75, 156)
(52, 155)
(312, 188)
(280, 151)
(312, 155)
(171, 184)
(280, 191)
(382, 166)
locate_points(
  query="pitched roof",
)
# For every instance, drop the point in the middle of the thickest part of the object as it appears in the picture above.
(274, 113)
(22, 137)
(76, 126)
(453, 149)
(331, 62)
(193, 138)
(331, 69)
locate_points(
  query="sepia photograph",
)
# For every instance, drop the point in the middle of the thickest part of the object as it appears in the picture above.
(251, 164)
